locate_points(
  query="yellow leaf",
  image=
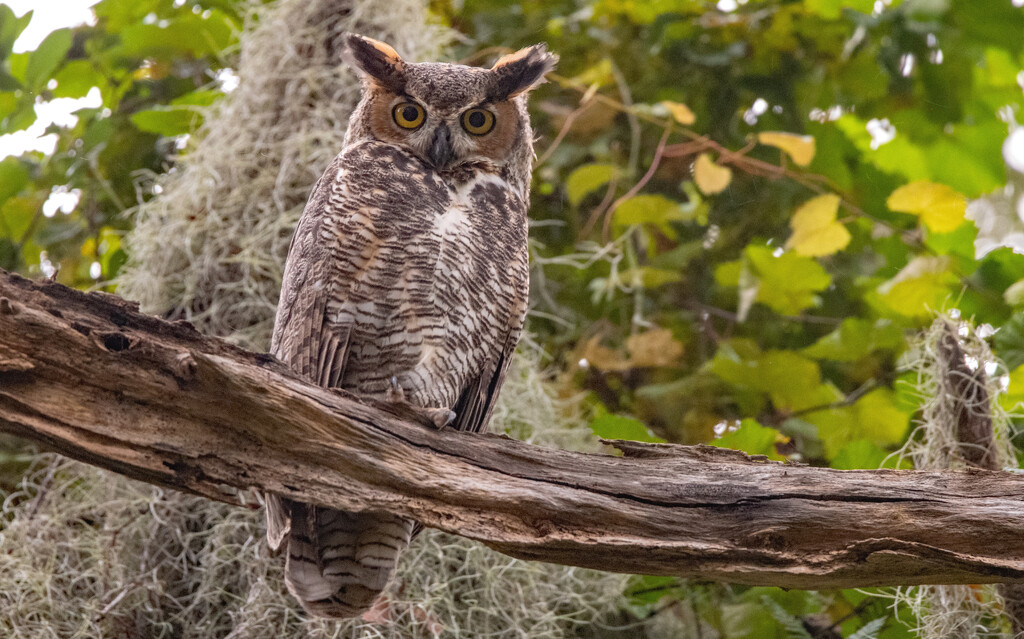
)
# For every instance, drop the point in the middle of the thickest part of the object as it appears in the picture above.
(656, 347)
(816, 232)
(602, 357)
(680, 112)
(710, 177)
(799, 147)
(940, 207)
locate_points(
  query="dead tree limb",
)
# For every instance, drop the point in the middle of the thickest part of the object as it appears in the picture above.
(90, 377)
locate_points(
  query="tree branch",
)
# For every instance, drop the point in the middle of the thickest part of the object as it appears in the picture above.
(90, 377)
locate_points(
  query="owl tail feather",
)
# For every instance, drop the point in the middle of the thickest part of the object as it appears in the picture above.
(339, 562)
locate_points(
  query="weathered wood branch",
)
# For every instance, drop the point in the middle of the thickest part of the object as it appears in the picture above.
(90, 377)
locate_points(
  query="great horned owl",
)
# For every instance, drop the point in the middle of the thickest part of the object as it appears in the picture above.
(408, 276)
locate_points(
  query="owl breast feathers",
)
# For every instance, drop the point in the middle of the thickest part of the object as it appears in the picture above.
(408, 274)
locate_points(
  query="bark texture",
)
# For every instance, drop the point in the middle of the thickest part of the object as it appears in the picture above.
(90, 377)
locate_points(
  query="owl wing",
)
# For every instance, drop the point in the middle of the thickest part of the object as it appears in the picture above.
(303, 338)
(476, 402)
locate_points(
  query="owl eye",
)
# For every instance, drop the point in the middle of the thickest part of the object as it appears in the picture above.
(478, 121)
(408, 115)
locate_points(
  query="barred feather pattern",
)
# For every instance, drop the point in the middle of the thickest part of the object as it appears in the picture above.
(395, 271)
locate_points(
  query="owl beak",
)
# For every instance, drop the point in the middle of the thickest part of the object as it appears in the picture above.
(441, 152)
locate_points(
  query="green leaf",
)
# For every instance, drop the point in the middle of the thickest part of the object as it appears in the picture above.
(788, 282)
(877, 417)
(1013, 397)
(791, 381)
(991, 21)
(898, 157)
(188, 34)
(75, 79)
(8, 82)
(861, 453)
(167, 121)
(649, 589)
(611, 426)
(856, 338)
(118, 14)
(46, 58)
(650, 277)
(22, 117)
(112, 262)
(959, 242)
(201, 98)
(749, 621)
(920, 288)
(17, 64)
(17, 212)
(586, 179)
(655, 210)
(1008, 342)
(728, 273)
(13, 177)
(831, 9)
(752, 438)
(9, 258)
(680, 257)
(11, 27)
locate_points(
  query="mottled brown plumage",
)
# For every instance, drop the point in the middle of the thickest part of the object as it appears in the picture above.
(408, 269)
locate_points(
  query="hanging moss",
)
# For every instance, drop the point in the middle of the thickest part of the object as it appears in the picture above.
(945, 389)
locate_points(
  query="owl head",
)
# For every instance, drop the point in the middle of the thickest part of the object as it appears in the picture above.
(448, 115)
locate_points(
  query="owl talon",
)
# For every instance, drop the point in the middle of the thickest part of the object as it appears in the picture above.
(396, 394)
(441, 417)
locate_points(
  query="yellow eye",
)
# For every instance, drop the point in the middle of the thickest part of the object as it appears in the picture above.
(408, 115)
(478, 121)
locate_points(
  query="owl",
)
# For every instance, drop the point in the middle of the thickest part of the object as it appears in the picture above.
(406, 280)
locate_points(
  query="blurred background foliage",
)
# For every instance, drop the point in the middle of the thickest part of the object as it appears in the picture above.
(742, 212)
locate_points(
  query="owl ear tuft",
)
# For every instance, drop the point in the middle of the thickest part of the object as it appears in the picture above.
(376, 61)
(517, 73)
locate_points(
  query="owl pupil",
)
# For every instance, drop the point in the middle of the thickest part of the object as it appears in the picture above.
(410, 113)
(476, 119)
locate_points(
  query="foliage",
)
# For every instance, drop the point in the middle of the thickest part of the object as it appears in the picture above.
(837, 231)
(745, 210)
(148, 68)
(783, 186)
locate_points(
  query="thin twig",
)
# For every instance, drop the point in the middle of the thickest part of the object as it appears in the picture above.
(639, 185)
(609, 196)
(729, 315)
(634, 122)
(569, 119)
(849, 400)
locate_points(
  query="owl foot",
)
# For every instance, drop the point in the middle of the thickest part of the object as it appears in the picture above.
(395, 394)
(440, 417)
(398, 404)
